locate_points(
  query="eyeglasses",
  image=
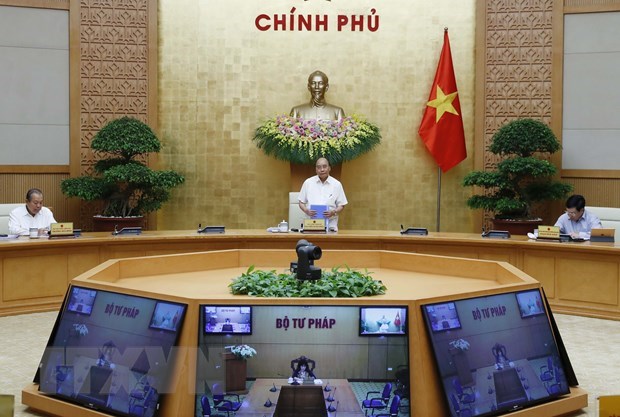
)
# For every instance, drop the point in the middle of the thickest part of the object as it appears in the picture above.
(572, 213)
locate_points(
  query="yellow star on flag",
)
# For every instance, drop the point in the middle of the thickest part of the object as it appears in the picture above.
(443, 103)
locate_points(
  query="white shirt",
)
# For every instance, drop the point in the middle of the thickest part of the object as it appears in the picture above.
(329, 193)
(20, 221)
(583, 226)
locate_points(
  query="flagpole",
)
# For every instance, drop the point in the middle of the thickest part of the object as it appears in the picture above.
(438, 198)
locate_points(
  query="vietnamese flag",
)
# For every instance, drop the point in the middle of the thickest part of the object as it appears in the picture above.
(441, 128)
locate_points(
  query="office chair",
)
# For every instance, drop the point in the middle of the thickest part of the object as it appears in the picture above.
(556, 387)
(459, 410)
(499, 352)
(310, 365)
(377, 402)
(465, 396)
(206, 408)
(394, 406)
(546, 371)
(141, 402)
(222, 403)
(402, 381)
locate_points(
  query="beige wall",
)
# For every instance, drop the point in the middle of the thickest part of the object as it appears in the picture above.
(219, 77)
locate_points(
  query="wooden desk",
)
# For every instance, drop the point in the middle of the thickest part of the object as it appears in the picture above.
(579, 278)
(254, 402)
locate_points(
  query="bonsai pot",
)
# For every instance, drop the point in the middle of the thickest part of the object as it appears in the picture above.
(517, 226)
(107, 224)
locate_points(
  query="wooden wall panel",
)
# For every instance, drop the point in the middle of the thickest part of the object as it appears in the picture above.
(13, 189)
(514, 69)
(117, 74)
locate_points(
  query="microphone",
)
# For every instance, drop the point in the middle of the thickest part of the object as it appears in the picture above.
(330, 398)
(273, 389)
(327, 387)
(331, 407)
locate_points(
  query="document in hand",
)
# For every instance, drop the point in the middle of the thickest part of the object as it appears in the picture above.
(320, 209)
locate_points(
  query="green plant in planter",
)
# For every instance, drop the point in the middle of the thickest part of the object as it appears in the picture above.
(524, 176)
(345, 283)
(125, 184)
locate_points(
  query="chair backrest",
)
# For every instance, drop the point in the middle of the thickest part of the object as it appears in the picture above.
(499, 351)
(5, 210)
(455, 403)
(394, 405)
(206, 406)
(310, 363)
(609, 216)
(387, 391)
(456, 384)
(218, 393)
(295, 215)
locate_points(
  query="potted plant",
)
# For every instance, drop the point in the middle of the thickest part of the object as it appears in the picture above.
(125, 184)
(523, 177)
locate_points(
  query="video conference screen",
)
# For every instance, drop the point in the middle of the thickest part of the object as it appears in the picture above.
(116, 355)
(443, 317)
(227, 319)
(502, 357)
(383, 321)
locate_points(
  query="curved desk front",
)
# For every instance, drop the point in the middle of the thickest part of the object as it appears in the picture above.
(202, 279)
(578, 278)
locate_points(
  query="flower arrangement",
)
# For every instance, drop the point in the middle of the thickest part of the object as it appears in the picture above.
(243, 351)
(80, 329)
(460, 344)
(302, 141)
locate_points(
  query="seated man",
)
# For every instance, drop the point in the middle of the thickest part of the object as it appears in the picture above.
(576, 220)
(302, 369)
(31, 215)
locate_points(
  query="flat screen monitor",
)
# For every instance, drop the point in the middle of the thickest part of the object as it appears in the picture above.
(166, 316)
(530, 303)
(118, 358)
(81, 300)
(226, 319)
(497, 361)
(383, 321)
(443, 317)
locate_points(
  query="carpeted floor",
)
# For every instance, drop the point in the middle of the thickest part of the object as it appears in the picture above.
(591, 343)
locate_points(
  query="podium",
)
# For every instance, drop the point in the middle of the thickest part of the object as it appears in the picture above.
(236, 372)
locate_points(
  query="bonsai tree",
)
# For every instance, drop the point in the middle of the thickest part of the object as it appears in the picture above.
(524, 176)
(125, 184)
